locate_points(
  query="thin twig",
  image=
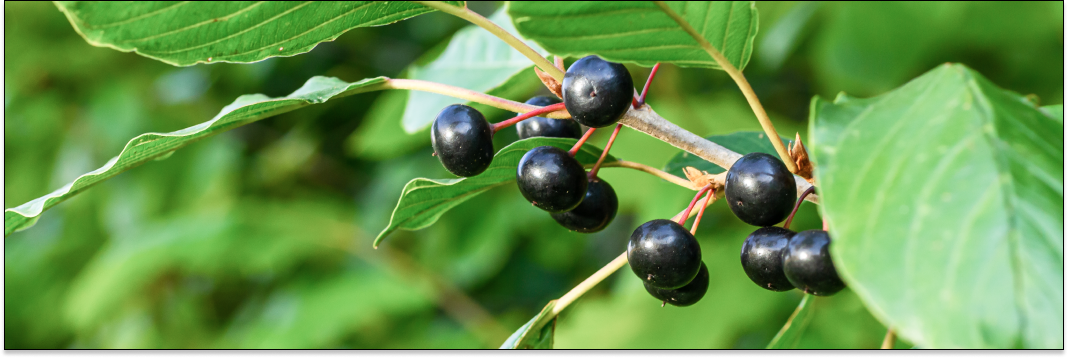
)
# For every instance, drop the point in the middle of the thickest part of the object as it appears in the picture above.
(480, 21)
(889, 340)
(574, 150)
(461, 93)
(508, 122)
(701, 212)
(645, 90)
(738, 78)
(686, 214)
(656, 172)
(789, 219)
(604, 153)
(588, 283)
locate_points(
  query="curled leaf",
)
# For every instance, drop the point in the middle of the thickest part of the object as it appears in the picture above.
(551, 83)
(799, 155)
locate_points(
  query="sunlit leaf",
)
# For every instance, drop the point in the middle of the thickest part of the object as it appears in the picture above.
(945, 203)
(638, 31)
(150, 146)
(423, 200)
(1055, 111)
(474, 59)
(184, 33)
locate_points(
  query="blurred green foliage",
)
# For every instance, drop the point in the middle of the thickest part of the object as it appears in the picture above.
(261, 237)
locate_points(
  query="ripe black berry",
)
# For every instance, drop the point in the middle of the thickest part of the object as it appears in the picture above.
(551, 179)
(595, 212)
(685, 296)
(547, 127)
(762, 257)
(664, 254)
(597, 92)
(462, 140)
(760, 190)
(807, 264)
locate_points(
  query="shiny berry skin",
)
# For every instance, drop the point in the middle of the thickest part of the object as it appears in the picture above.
(547, 127)
(597, 92)
(807, 264)
(686, 295)
(664, 254)
(595, 212)
(551, 179)
(462, 140)
(762, 257)
(760, 190)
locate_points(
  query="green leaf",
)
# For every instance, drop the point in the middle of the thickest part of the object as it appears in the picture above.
(1055, 111)
(187, 33)
(638, 31)
(151, 146)
(537, 333)
(474, 59)
(423, 200)
(742, 142)
(790, 334)
(945, 203)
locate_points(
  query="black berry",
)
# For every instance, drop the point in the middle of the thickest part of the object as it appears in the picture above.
(762, 257)
(551, 179)
(807, 264)
(664, 254)
(547, 127)
(462, 140)
(597, 92)
(595, 212)
(685, 296)
(760, 190)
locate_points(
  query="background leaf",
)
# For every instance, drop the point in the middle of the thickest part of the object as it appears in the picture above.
(535, 334)
(944, 198)
(788, 336)
(742, 142)
(149, 146)
(187, 33)
(474, 59)
(638, 31)
(423, 200)
(1055, 111)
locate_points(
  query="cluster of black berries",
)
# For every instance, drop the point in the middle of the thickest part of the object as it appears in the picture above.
(761, 192)
(596, 93)
(667, 259)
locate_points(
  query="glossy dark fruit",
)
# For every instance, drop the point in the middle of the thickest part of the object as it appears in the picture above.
(762, 257)
(760, 190)
(462, 140)
(595, 212)
(686, 295)
(551, 179)
(807, 264)
(597, 92)
(664, 254)
(547, 127)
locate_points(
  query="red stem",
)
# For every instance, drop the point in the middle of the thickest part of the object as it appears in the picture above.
(508, 122)
(825, 226)
(581, 141)
(686, 214)
(701, 212)
(612, 139)
(645, 90)
(786, 225)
